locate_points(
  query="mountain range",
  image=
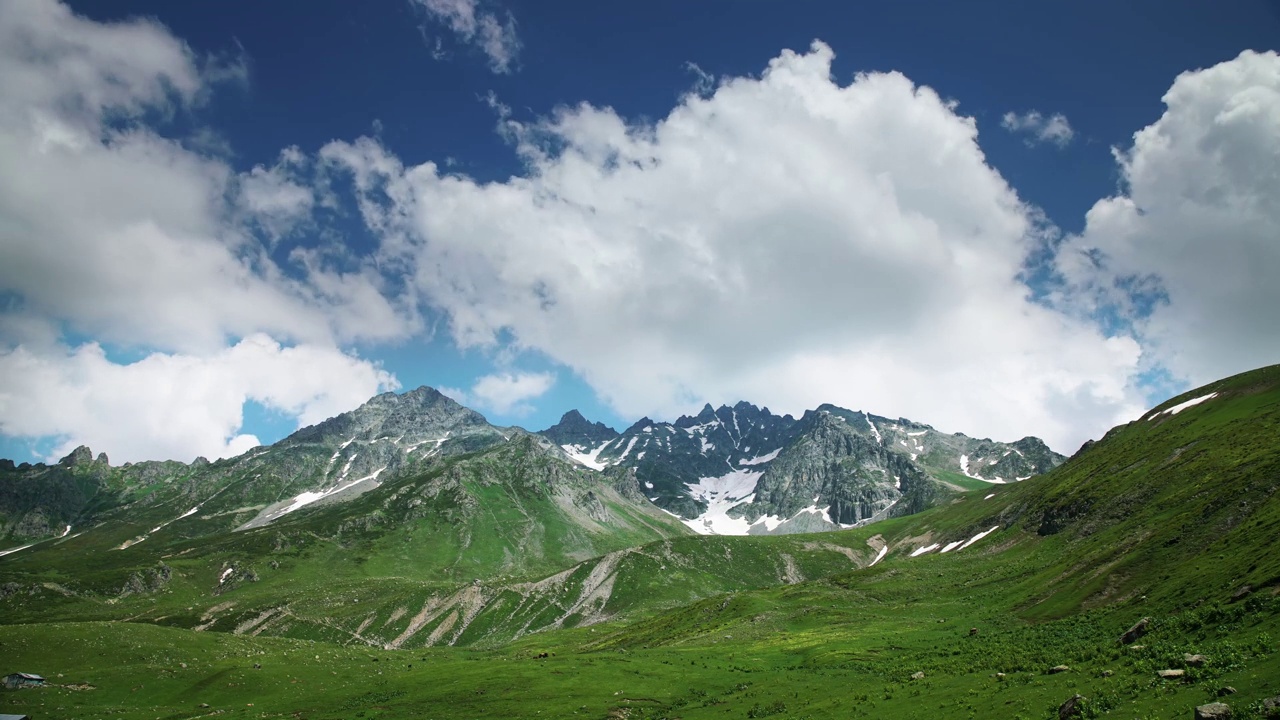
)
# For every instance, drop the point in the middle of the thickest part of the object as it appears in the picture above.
(736, 470)
(408, 559)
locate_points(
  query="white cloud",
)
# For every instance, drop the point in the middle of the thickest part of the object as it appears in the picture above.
(504, 393)
(127, 235)
(278, 198)
(173, 405)
(112, 231)
(785, 239)
(1038, 128)
(492, 31)
(1199, 219)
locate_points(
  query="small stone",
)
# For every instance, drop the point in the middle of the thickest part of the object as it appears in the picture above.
(1213, 711)
(204, 705)
(182, 665)
(1138, 630)
(1194, 660)
(973, 631)
(1000, 676)
(917, 676)
(1107, 673)
(257, 666)
(1226, 690)
(1058, 669)
(1073, 707)
(1171, 674)
(1137, 647)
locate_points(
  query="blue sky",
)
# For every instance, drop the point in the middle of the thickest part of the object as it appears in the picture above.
(380, 199)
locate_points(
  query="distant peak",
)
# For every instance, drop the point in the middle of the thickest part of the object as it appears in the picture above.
(575, 429)
(80, 456)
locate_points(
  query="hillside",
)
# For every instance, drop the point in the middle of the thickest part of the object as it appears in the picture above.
(1171, 517)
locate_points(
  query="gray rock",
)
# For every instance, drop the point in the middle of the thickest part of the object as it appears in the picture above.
(1226, 690)
(1213, 711)
(1138, 630)
(1194, 660)
(1073, 707)
(1171, 674)
(1058, 669)
(917, 676)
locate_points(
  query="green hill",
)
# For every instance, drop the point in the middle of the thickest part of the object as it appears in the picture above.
(1172, 517)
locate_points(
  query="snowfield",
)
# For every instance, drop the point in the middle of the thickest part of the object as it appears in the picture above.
(721, 494)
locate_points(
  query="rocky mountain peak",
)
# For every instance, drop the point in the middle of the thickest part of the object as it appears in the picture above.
(574, 429)
(80, 456)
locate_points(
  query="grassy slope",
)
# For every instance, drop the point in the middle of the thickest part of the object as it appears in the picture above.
(1167, 517)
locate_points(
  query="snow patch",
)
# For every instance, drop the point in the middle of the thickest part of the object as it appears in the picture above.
(978, 537)
(923, 550)
(880, 556)
(626, 452)
(952, 546)
(1184, 405)
(989, 496)
(760, 460)
(223, 577)
(721, 494)
(306, 498)
(873, 427)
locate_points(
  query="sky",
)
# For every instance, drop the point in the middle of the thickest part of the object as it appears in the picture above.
(220, 222)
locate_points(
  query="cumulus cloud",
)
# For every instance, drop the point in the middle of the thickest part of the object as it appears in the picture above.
(129, 236)
(1188, 251)
(786, 239)
(493, 31)
(174, 405)
(505, 393)
(115, 232)
(1039, 129)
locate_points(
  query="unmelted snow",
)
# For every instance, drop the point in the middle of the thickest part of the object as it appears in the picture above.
(923, 550)
(761, 459)
(1183, 406)
(721, 494)
(307, 498)
(585, 458)
(964, 468)
(880, 555)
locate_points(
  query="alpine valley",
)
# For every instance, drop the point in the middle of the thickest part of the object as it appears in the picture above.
(410, 560)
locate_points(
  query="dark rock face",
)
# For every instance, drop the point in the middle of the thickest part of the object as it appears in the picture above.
(574, 429)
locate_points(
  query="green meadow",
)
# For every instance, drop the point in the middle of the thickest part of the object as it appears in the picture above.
(1173, 517)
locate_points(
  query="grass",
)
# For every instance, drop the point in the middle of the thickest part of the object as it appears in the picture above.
(1170, 517)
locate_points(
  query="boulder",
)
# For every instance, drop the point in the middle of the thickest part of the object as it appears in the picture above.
(1194, 660)
(1058, 669)
(1073, 707)
(917, 676)
(1171, 674)
(1138, 630)
(1214, 711)
(1226, 690)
